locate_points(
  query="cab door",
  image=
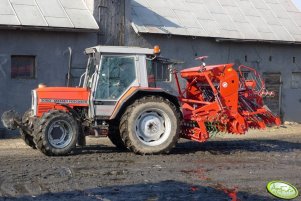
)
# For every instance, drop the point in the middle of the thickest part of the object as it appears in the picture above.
(116, 75)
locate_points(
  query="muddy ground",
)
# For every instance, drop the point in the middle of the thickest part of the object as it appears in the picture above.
(225, 168)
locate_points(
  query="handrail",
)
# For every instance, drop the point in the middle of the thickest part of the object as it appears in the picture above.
(80, 80)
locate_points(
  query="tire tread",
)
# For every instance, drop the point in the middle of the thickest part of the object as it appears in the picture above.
(39, 137)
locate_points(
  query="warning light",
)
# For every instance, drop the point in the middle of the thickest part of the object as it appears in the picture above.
(157, 49)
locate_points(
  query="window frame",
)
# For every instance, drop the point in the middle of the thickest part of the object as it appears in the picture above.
(34, 67)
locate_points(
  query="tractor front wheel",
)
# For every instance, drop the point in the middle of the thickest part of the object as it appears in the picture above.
(150, 125)
(27, 137)
(56, 133)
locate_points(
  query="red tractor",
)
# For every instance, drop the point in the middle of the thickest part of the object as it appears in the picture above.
(117, 97)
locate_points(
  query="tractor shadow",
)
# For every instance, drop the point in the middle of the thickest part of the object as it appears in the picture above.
(160, 191)
(213, 147)
(234, 146)
(97, 149)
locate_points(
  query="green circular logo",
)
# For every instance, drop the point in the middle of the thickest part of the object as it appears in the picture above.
(281, 189)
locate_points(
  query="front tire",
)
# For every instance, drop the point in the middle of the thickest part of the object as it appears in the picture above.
(151, 125)
(56, 133)
(27, 137)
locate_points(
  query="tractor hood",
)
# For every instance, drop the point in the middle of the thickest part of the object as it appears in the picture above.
(47, 98)
(63, 95)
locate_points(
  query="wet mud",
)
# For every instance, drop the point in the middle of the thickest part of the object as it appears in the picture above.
(225, 168)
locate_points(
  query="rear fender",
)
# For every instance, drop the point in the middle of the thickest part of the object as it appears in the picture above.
(137, 93)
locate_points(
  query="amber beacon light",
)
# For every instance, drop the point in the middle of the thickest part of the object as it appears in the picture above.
(157, 49)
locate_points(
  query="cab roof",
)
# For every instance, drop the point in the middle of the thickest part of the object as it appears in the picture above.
(119, 50)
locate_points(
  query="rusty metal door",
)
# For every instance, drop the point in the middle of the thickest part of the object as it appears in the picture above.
(273, 83)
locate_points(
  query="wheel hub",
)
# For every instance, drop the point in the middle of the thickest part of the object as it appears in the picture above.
(151, 127)
(59, 134)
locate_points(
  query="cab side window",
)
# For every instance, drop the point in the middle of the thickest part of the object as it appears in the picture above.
(150, 73)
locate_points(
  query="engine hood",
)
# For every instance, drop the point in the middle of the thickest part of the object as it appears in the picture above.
(61, 89)
(71, 96)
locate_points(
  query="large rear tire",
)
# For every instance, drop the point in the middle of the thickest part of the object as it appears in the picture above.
(56, 133)
(115, 137)
(25, 135)
(150, 125)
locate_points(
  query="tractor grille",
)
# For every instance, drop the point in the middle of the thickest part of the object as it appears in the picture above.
(42, 109)
(34, 102)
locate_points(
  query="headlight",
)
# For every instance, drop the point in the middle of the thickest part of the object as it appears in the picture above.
(34, 102)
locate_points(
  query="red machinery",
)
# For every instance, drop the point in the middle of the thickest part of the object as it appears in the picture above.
(220, 99)
(117, 99)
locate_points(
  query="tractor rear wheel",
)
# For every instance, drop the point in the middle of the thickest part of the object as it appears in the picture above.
(56, 133)
(115, 138)
(27, 137)
(150, 125)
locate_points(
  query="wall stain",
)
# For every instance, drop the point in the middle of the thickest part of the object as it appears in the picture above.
(3, 61)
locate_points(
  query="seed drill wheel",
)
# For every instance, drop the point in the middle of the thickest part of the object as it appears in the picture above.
(27, 137)
(56, 133)
(151, 125)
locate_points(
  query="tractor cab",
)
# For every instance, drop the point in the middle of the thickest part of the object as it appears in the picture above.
(113, 71)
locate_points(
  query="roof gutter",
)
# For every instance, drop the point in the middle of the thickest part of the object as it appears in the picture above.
(220, 40)
(42, 28)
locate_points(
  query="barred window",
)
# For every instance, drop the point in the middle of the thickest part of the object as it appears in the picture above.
(23, 67)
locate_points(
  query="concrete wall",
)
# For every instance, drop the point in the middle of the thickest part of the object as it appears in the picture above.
(51, 51)
(188, 48)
